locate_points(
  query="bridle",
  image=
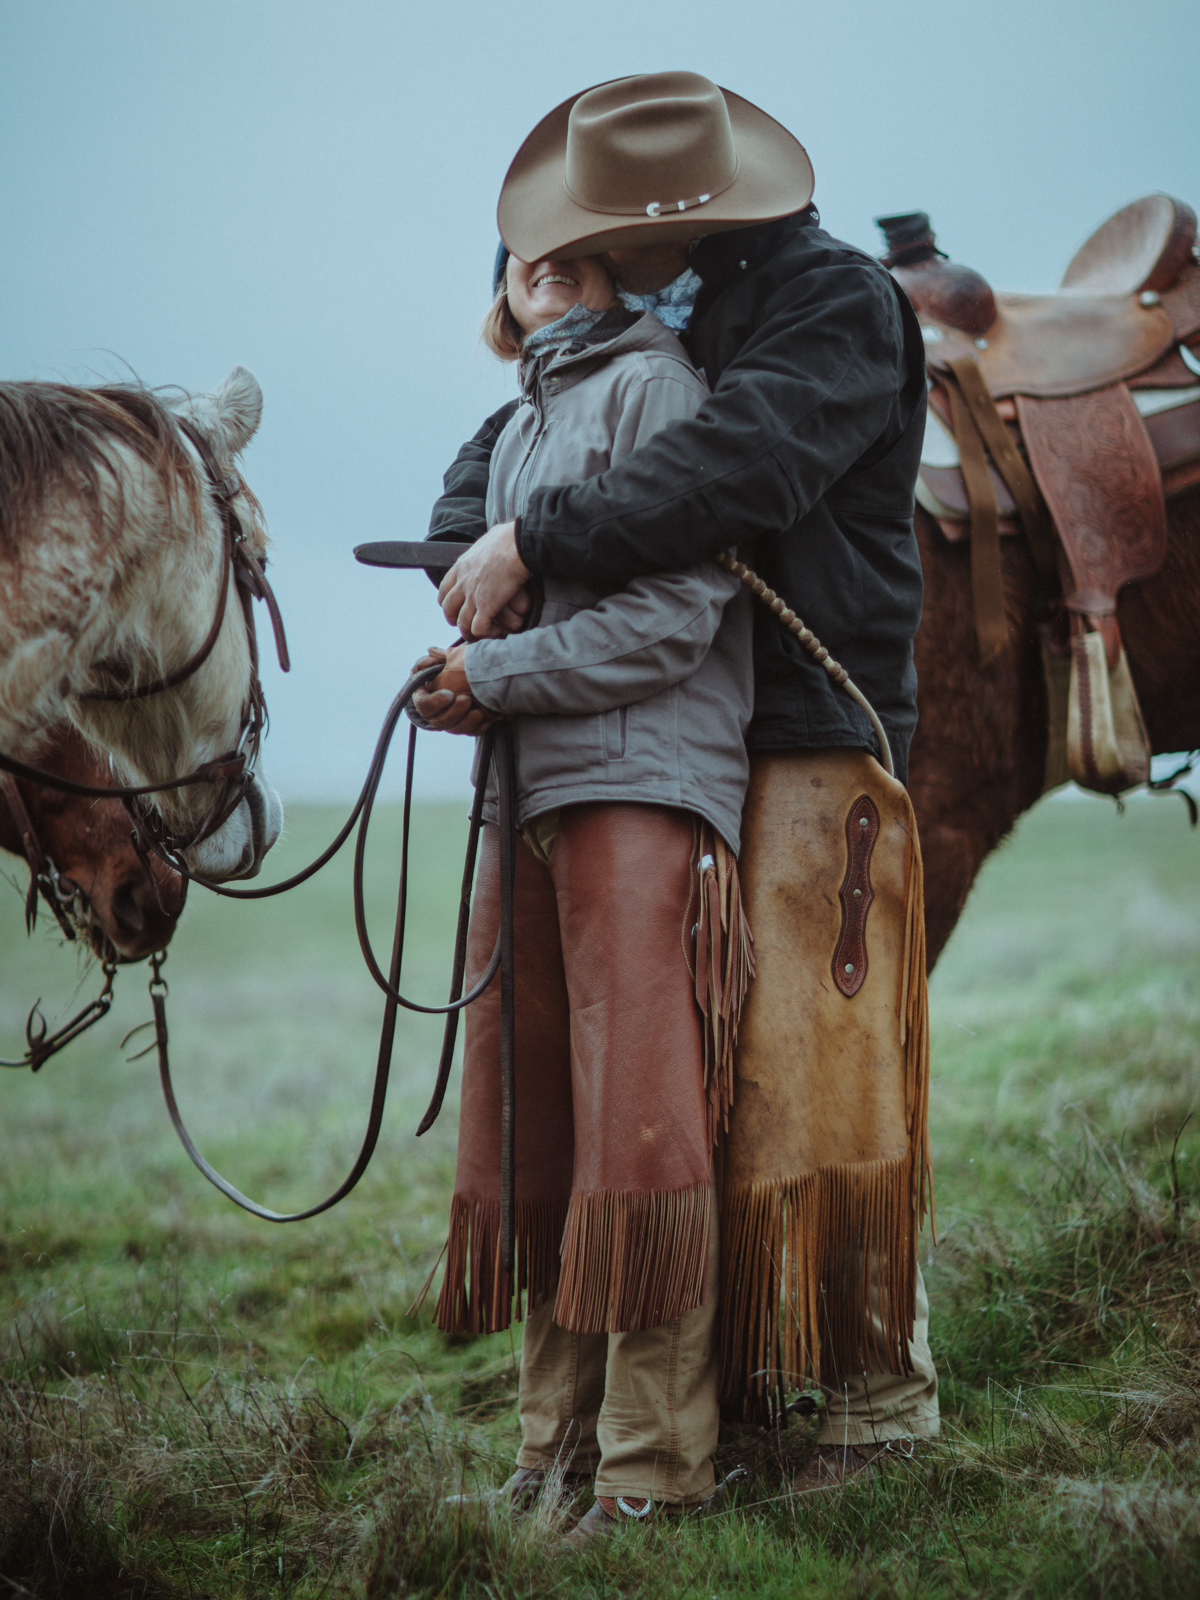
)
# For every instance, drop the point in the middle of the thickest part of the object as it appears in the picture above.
(231, 775)
(242, 569)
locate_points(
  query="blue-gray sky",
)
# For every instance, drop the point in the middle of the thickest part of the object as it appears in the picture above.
(309, 190)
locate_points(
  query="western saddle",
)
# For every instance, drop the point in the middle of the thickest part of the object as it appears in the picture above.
(1069, 418)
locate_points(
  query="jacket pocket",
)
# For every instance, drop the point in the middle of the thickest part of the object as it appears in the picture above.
(616, 733)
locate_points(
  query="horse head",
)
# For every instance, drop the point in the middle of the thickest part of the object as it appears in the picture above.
(106, 892)
(176, 584)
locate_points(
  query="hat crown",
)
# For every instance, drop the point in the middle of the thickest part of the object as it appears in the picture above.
(652, 140)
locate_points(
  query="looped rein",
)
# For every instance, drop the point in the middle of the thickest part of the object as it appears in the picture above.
(497, 756)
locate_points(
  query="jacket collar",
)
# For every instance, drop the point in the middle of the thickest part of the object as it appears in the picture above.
(646, 333)
(721, 258)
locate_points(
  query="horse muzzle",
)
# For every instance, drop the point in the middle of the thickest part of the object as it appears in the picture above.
(237, 848)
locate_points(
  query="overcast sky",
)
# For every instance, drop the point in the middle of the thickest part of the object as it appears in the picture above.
(309, 190)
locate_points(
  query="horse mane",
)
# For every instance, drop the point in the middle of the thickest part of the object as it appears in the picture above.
(54, 436)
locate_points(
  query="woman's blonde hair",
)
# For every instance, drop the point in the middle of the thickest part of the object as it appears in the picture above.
(501, 331)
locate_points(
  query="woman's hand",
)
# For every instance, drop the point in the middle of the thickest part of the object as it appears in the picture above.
(446, 703)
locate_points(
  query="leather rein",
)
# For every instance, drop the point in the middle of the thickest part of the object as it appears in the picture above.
(498, 757)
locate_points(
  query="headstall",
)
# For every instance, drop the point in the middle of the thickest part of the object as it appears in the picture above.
(230, 774)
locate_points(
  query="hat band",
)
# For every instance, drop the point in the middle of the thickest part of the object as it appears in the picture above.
(656, 208)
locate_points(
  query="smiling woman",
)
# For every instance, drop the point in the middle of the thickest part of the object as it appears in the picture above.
(534, 294)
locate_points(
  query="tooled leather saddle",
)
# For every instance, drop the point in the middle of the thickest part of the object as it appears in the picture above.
(1069, 419)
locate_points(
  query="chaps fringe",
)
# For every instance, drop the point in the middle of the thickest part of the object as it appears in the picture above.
(477, 1296)
(818, 1272)
(723, 966)
(803, 1261)
(633, 1260)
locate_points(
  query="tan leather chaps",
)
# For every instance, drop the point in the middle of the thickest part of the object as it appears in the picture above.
(612, 1146)
(825, 1167)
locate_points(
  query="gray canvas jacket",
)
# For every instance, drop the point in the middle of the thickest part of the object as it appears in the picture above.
(643, 694)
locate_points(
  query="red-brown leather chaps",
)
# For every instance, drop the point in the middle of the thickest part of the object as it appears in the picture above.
(613, 1180)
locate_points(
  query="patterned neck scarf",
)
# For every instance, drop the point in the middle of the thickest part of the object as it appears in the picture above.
(572, 333)
(672, 305)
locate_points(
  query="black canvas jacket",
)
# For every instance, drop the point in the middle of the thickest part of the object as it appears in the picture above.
(804, 457)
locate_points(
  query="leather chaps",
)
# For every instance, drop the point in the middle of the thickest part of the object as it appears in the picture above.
(824, 1171)
(612, 1142)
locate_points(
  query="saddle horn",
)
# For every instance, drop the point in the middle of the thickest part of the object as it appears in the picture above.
(940, 289)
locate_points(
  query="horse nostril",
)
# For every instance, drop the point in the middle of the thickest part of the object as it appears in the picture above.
(127, 906)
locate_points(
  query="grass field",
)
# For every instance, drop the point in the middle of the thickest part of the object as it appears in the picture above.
(196, 1403)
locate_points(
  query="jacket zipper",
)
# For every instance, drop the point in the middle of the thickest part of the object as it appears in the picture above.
(520, 497)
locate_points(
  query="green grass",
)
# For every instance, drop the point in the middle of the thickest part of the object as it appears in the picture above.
(196, 1403)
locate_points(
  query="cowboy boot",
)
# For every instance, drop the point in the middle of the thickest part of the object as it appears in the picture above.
(609, 1512)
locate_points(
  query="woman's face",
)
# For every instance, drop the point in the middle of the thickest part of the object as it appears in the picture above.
(542, 291)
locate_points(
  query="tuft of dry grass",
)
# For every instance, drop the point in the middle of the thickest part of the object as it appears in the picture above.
(130, 1484)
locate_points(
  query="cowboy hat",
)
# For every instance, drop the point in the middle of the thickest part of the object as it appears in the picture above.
(642, 160)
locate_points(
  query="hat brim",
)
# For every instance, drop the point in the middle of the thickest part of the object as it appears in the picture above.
(538, 219)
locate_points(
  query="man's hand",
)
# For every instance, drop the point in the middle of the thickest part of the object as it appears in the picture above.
(447, 703)
(484, 594)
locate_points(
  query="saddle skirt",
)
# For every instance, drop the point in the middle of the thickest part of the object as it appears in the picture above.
(1068, 419)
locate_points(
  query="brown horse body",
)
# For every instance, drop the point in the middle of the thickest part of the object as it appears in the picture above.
(980, 747)
(126, 903)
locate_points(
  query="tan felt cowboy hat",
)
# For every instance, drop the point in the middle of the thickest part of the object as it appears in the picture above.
(642, 160)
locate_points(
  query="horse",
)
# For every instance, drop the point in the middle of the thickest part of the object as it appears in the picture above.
(120, 522)
(115, 899)
(979, 752)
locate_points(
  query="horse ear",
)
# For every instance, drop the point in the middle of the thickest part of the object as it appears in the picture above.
(229, 417)
(238, 406)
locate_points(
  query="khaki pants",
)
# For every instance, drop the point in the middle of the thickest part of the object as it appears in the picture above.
(639, 1409)
(872, 1407)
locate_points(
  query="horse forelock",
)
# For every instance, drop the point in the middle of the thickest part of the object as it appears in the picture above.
(55, 437)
